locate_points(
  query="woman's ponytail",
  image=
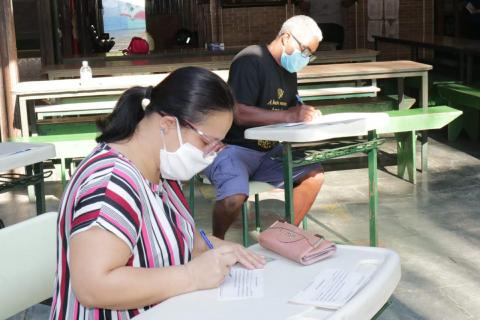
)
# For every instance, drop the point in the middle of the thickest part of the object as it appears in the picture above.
(189, 93)
(126, 115)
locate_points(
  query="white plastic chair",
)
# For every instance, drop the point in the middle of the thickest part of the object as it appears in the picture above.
(255, 188)
(28, 263)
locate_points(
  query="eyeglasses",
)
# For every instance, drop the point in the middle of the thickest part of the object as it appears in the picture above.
(213, 145)
(306, 53)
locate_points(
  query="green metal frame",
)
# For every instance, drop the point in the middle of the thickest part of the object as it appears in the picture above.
(60, 138)
(34, 175)
(317, 156)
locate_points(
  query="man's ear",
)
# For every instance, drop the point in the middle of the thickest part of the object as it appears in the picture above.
(284, 38)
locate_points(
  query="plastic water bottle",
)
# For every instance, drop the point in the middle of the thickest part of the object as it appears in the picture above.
(85, 73)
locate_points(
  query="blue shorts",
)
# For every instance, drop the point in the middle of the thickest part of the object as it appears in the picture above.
(235, 166)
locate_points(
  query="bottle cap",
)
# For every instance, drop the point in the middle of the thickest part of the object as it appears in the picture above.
(85, 63)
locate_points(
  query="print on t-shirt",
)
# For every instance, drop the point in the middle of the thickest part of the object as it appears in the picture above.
(258, 80)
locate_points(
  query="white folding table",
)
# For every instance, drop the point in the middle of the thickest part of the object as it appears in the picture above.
(30, 155)
(327, 127)
(282, 280)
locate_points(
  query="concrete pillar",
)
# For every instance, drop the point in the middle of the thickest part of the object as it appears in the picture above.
(9, 69)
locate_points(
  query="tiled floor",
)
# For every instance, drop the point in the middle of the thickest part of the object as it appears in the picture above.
(434, 226)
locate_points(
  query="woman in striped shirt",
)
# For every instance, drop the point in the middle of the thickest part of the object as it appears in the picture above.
(126, 240)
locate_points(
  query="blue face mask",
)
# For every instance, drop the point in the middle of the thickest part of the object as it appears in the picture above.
(293, 62)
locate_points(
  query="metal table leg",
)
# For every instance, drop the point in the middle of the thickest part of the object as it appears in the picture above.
(258, 225)
(424, 134)
(370, 147)
(39, 188)
(23, 116)
(373, 189)
(287, 175)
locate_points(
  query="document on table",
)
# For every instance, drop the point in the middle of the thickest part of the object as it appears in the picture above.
(242, 284)
(332, 288)
(329, 119)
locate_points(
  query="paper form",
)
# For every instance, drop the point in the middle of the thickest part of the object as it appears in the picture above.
(332, 288)
(330, 119)
(242, 284)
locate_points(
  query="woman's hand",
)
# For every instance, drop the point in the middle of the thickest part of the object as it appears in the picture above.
(209, 269)
(245, 257)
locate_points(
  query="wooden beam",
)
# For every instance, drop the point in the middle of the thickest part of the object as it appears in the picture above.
(9, 67)
(46, 32)
(3, 109)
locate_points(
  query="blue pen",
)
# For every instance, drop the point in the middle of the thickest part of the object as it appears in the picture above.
(209, 244)
(205, 238)
(299, 100)
(20, 151)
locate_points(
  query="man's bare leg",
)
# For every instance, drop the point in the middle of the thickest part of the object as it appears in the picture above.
(225, 212)
(305, 193)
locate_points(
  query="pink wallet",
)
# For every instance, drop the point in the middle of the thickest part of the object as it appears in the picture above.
(296, 244)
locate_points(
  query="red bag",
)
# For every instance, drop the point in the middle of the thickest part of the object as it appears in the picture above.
(137, 46)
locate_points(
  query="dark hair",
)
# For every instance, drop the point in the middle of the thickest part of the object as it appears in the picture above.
(188, 93)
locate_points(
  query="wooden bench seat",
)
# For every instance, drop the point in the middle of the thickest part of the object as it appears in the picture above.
(405, 123)
(308, 94)
(363, 104)
(67, 125)
(68, 109)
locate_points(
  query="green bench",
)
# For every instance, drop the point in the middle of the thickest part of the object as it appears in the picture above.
(363, 104)
(404, 124)
(467, 99)
(414, 120)
(74, 109)
(356, 102)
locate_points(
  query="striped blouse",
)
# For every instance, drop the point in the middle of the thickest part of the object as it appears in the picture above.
(107, 191)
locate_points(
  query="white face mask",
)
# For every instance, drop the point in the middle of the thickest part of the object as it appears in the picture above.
(183, 163)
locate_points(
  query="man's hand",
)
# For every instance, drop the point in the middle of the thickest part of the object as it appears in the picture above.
(301, 113)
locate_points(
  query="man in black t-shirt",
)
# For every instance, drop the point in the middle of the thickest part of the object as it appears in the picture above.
(264, 83)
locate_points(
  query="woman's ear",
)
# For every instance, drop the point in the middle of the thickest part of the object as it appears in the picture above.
(167, 123)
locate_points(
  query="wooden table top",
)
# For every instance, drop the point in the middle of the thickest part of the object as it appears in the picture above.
(168, 64)
(172, 52)
(363, 69)
(360, 70)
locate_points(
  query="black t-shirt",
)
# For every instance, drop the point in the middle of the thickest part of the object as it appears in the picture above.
(257, 80)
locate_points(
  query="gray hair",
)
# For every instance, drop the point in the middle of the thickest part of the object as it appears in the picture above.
(304, 28)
